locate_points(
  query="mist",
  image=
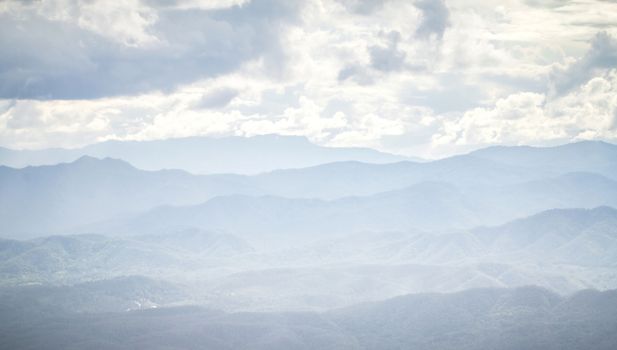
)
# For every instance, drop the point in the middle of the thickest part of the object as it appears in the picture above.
(265, 174)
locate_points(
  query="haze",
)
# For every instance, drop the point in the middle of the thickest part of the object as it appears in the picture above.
(344, 174)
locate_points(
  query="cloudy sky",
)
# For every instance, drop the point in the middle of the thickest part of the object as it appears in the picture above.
(427, 78)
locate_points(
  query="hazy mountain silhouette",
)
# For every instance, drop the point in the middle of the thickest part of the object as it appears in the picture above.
(89, 189)
(432, 206)
(457, 192)
(585, 156)
(564, 250)
(205, 155)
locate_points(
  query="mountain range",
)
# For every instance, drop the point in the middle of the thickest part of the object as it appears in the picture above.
(504, 247)
(205, 155)
(561, 249)
(478, 319)
(458, 192)
(430, 206)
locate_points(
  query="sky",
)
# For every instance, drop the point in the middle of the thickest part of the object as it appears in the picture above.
(423, 78)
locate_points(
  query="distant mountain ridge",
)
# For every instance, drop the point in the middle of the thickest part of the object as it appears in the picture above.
(463, 191)
(571, 157)
(432, 206)
(90, 189)
(259, 154)
(205, 155)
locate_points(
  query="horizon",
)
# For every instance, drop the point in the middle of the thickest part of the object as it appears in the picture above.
(410, 157)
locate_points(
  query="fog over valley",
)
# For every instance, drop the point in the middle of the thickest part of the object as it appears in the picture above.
(111, 238)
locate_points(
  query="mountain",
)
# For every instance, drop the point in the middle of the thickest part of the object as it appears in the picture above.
(118, 294)
(258, 154)
(456, 192)
(565, 250)
(343, 179)
(583, 237)
(494, 166)
(205, 155)
(88, 189)
(270, 220)
(478, 319)
(432, 206)
(585, 156)
(570, 236)
(70, 195)
(521, 318)
(78, 258)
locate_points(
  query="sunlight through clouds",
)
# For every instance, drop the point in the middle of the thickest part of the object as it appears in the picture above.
(417, 78)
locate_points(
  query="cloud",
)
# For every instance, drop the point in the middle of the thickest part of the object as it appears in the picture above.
(547, 3)
(435, 18)
(452, 94)
(601, 56)
(128, 22)
(399, 49)
(587, 112)
(217, 99)
(421, 78)
(389, 58)
(75, 56)
(363, 7)
(306, 120)
(525, 118)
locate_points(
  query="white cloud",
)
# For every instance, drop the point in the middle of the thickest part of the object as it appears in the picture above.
(589, 112)
(126, 21)
(343, 73)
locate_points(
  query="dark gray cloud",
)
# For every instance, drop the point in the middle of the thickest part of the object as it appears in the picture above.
(357, 73)
(363, 7)
(162, 3)
(388, 58)
(217, 99)
(602, 55)
(435, 18)
(383, 59)
(435, 14)
(547, 3)
(58, 60)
